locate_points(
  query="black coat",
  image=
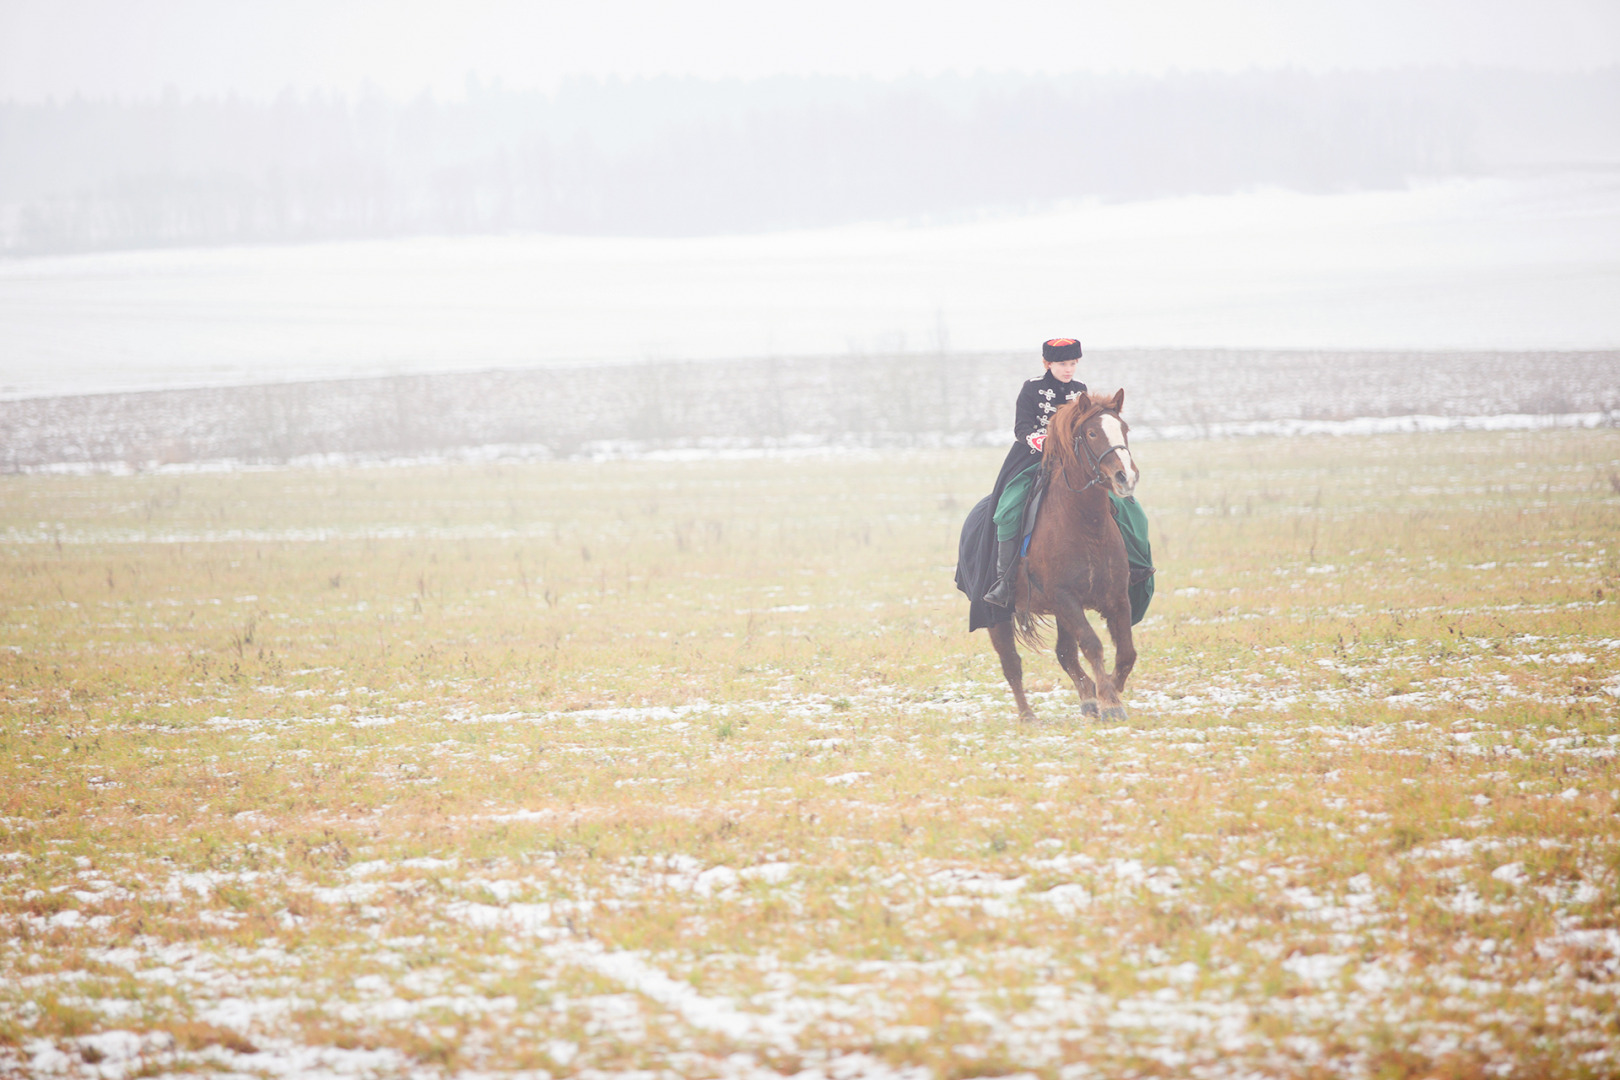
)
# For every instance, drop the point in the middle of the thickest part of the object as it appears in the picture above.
(976, 552)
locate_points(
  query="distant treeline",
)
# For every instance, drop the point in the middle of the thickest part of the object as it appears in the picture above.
(684, 156)
(800, 401)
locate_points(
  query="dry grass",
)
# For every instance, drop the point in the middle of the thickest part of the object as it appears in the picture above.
(692, 768)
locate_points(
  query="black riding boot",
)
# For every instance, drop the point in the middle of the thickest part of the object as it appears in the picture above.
(1001, 593)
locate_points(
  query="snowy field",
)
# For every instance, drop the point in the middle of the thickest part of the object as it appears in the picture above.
(655, 768)
(1486, 264)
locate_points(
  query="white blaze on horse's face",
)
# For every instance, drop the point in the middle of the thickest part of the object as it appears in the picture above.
(1118, 467)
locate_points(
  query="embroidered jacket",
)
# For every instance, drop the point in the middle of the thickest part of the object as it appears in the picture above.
(1037, 401)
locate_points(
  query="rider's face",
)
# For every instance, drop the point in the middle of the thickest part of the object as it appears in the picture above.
(1063, 370)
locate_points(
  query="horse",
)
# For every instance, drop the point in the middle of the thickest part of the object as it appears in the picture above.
(1076, 557)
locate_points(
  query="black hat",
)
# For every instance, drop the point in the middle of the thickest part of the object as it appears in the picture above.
(1060, 349)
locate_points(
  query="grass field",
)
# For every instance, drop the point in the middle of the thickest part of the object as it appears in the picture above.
(691, 769)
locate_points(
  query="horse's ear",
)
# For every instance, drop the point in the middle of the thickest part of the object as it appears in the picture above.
(1119, 400)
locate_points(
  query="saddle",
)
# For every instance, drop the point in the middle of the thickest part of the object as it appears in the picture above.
(1032, 510)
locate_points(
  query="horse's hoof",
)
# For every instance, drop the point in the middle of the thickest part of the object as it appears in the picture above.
(1027, 716)
(1088, 708)
(1116, 712)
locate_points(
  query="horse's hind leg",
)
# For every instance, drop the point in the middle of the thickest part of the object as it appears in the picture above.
(1068, 658)
(1072, 616)
(1001, 636)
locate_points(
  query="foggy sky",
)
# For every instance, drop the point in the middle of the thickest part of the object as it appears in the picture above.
(262, 133)
(258, 48)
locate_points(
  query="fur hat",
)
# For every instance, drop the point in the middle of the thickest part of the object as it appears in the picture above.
(1060, 349)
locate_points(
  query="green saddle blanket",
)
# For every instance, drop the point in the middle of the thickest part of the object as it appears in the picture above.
(1133, 526)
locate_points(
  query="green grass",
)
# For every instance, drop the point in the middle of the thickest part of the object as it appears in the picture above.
(644, 765)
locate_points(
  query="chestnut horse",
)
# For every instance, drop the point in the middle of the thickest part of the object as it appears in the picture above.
(1076, 557)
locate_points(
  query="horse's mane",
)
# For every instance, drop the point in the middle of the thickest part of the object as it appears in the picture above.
(1065, 425)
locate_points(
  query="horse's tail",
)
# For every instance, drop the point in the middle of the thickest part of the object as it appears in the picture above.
(1029, 631)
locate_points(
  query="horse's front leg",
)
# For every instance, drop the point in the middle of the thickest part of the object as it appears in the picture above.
(1071, 615)
(1119, 628)
(1069, 660)
(1001, 636)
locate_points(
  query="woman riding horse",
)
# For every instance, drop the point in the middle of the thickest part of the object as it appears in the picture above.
(1037, 401)
(1089, 548)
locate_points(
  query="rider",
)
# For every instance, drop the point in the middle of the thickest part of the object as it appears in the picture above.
(1037, 401)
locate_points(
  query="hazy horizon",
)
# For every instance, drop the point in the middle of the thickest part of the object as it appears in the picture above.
(273, 190)
(668, 156)
(178, 123)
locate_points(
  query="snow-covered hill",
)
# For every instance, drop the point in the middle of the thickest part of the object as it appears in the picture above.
(1527, 263)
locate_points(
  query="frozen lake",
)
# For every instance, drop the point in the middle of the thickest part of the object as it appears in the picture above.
(1528, 263)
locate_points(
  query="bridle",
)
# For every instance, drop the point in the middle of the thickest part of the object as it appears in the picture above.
(1083, 449)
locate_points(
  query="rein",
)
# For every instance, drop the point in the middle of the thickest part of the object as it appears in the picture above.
(1094, 460)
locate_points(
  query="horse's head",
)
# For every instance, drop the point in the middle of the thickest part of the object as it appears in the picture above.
(1093, 433)
(1105, 436)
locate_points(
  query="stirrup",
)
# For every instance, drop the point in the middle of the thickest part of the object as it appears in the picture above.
(1002, 593)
